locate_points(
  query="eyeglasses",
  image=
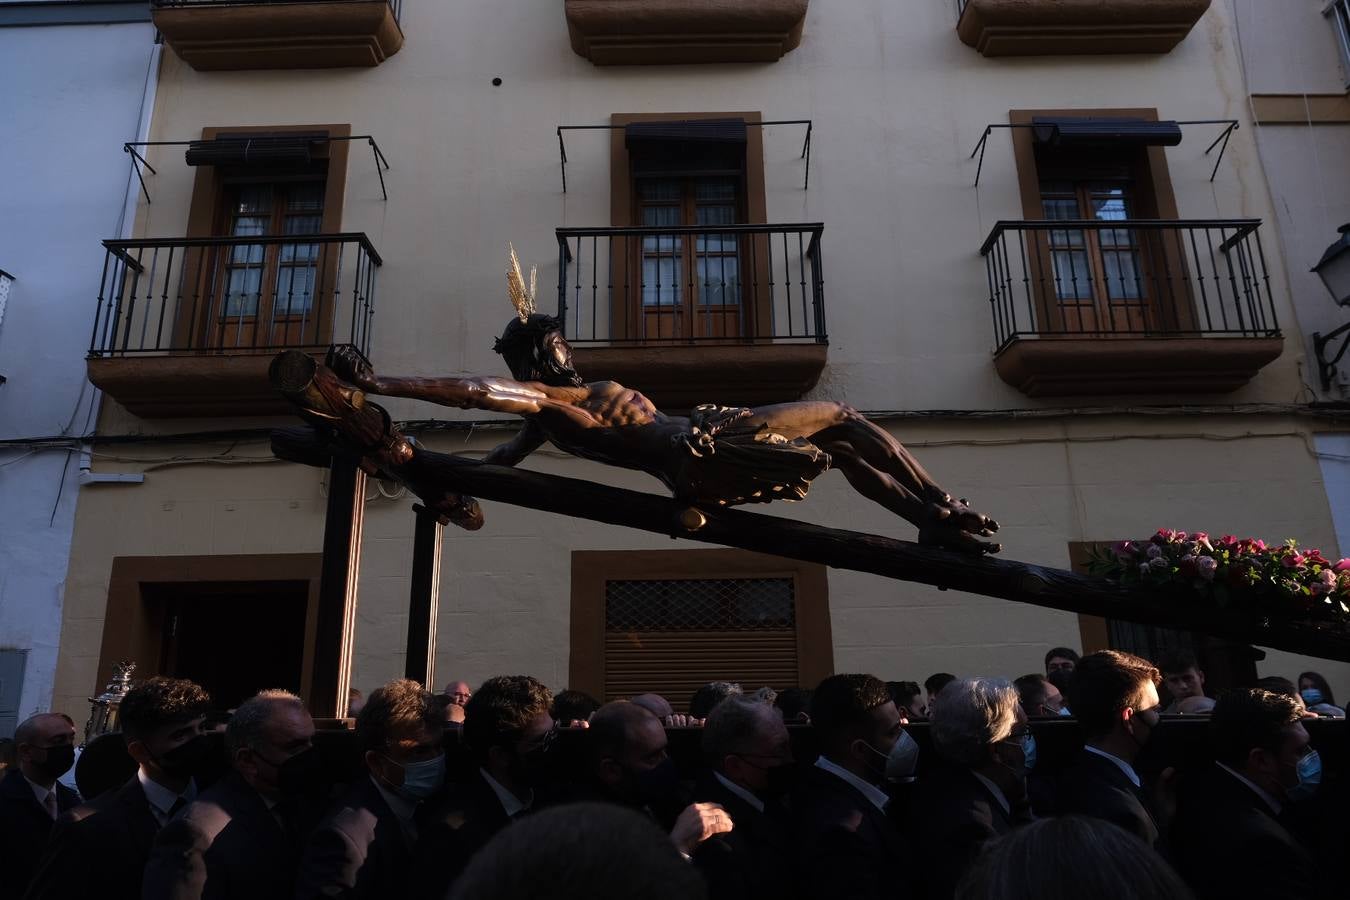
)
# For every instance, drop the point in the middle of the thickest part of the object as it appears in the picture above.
(545, 741)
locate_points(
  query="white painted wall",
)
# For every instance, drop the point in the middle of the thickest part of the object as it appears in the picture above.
(71, 96)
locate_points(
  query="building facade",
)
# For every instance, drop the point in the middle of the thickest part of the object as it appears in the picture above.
(730, 208)
(71, 71)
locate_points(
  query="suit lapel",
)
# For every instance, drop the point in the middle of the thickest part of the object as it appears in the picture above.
(141, 824)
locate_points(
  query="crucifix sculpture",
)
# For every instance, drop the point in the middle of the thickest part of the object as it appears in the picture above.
(715, 457)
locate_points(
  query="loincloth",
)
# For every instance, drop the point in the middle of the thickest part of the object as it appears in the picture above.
(724, 463)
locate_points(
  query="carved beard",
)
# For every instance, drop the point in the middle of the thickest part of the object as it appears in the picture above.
(553, 374)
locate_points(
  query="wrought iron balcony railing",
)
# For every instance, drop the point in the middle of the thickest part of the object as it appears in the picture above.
(1128, 278)
(692, 285)
(235, 294)
(395, 5)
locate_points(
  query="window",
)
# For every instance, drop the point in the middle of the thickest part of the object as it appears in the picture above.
(688, 171)
(1100, 280)
(711, 270)
(267, 294)
(1338, 11)
(641, 623)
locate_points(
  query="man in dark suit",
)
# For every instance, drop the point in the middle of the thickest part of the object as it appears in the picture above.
(241, 837)
(628, 765)
(364, 847)
(102, 847)
(981, 732)
(844, 843)
(509, 731)
(1115, 699)
(31, 798)
(1230, 837)
(747, 746)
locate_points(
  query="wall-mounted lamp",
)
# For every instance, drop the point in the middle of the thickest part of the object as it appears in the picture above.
(1334, 270)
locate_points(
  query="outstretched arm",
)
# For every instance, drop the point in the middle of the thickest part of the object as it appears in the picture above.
(474, 392)
(529, 439)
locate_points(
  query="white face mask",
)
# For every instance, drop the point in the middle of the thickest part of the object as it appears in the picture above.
(903, 759)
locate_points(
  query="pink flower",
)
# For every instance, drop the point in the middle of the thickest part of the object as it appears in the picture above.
(1292, 560)
(1207, 566)
(1326, 582)
(1228, 541)
(1342, 565)
(1124, 550)
(1202, 539)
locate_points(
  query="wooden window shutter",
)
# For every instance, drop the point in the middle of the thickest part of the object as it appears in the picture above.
(671, 621)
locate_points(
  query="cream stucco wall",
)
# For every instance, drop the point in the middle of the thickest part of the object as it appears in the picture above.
(897, 103)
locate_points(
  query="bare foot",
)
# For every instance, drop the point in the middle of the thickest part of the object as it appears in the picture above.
(955, 526)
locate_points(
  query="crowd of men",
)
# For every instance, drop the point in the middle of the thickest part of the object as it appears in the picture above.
(871, 816)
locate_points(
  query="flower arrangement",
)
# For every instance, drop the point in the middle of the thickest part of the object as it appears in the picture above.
(1279, 580)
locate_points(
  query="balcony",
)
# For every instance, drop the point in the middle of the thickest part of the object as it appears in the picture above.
(661, 32)
(1135, 306)
(689, 315)
(279, 34)
(187, 326)
(1071, 27)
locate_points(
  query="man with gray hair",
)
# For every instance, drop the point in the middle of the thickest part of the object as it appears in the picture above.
(749, 754)
(241, 838)
(981, 730)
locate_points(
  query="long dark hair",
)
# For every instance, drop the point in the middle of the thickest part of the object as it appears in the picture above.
(522, 346)
(1320, 683)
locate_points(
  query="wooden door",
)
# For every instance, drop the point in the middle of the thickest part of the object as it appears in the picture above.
(267, 293)
(691, 285)
(1096, 280)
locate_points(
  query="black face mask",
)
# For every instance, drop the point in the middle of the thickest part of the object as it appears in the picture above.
(303, 775)
(534, 767)
(656, 786)
(56, 761)
(188, 758)
(781, 780)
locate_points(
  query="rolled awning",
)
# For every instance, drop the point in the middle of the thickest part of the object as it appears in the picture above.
(1099, 131)
(254, 150)
(642, 135)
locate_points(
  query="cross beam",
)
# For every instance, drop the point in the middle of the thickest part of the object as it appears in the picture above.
(445, 481)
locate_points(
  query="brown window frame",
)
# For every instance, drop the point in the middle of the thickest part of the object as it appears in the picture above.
(208, 215)
(591, 569)
(1152, 198)
(626, 314)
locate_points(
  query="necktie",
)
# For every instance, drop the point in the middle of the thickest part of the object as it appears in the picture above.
(178, 804)
(49, 803)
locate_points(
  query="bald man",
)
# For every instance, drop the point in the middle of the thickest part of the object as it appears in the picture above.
(31, 797)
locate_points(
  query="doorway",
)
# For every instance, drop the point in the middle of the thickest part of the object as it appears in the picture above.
(233, 638)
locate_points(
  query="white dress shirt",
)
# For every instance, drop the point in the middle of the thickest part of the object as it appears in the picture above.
(41, 794)
(875, 795)
(161, 799)
(1125, 767)
(509, 801)
(739, 791)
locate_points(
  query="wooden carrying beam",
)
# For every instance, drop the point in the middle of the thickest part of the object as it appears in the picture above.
(433, 476)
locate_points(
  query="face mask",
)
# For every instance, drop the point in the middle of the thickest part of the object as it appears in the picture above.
(1029, 752)
(303, 775)
(1309, 771)
(1064, 712)
(877, 762)
(781, 780)
(188, 758)
(1311, 696)
(532, 768)
(1028, 746)
(903, 759)
(655, 786)
(422, 779)
(56, 761)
